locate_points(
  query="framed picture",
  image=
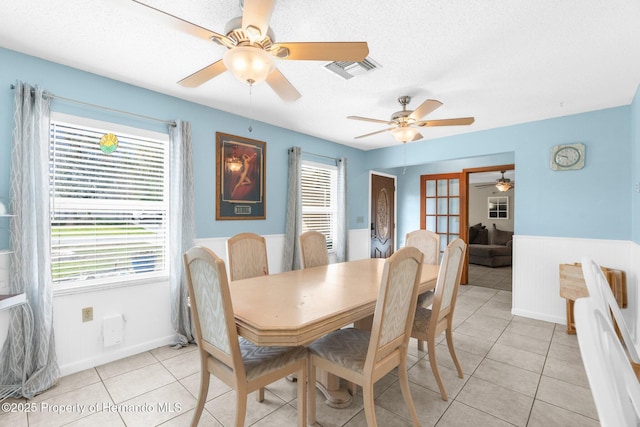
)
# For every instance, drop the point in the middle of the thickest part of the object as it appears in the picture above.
(498, 207)
(240, 177)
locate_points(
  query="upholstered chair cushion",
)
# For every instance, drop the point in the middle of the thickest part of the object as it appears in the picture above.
(421, 319)
(260, 360)
(344, 347)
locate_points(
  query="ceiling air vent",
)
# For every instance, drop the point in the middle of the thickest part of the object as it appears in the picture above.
(348, 69)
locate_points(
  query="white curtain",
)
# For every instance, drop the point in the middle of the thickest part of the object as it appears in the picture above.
(291, 255)
(28, 356)
(341, 217)
(181, 227)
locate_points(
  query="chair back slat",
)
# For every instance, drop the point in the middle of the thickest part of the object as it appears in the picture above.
(395, 307)
(449, 277)
(313, 248)
(428, 242)
(210, 300)
(247, 254)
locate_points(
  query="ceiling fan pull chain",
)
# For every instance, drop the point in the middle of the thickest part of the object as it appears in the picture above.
(250, 129)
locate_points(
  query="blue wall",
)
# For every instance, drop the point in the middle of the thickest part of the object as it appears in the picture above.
(588, 203)
(582, 203)
(635, 141)
(72, 83)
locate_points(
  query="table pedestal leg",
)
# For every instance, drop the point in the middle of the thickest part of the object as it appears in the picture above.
(329, 385)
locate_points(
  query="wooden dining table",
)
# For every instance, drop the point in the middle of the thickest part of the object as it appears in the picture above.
(300, 306)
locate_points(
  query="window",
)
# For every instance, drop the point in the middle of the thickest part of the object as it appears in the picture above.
(319, 199)
(109, 212)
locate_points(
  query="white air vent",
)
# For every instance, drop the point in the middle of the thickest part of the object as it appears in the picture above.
(348, 69)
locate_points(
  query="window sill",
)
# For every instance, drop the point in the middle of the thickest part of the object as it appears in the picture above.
(75, 288)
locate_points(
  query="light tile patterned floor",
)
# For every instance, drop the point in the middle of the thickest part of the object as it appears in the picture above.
(518, 372)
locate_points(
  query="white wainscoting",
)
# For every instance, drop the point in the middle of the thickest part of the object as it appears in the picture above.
(536, 281)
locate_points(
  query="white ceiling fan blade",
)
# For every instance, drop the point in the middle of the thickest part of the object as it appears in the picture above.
(373, 133)
(447, 122)
(428, 106)
(366, 119)
(322, 51)
(203, 75)
(282, 86)
(257, 14)
(186, 26)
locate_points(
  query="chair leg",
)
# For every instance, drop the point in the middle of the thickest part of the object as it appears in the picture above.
(311, 391)
(452, 351)
(403, 377)
(420, 345)
(369, 405)
(241, 407)
(434, 368)
(205, 376)
(302, 394)
(260, 394)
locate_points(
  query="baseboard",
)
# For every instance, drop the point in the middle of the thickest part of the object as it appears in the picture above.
(81, 365)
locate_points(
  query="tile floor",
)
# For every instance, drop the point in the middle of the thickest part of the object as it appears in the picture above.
(518, 372)
(488, 277)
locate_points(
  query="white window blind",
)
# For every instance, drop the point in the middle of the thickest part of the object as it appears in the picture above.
(318, 188)
(108, 211)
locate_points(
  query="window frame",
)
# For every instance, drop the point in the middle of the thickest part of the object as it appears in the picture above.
(89, 285)
(333, 209)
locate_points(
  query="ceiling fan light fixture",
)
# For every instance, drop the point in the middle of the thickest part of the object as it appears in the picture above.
(248, 64)
(404, 133)
(503, 186)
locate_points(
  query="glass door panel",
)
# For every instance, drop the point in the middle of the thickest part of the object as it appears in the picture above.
(440, 206)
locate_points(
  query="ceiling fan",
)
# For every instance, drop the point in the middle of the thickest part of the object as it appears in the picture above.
(404, 123)
(252, 49)
(502, 184)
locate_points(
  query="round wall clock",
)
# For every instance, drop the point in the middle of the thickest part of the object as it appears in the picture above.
(567, 157)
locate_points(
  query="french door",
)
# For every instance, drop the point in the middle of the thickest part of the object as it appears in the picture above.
(441, 206)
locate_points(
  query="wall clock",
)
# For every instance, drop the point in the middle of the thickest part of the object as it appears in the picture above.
(567, 157)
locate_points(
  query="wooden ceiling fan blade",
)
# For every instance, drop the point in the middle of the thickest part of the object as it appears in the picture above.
(187, 27)
(447, 122)
(257, 14)
(428, 106)
(323, 51)
(282, 86)
(203, 75)
(367, 119)
(373, 133)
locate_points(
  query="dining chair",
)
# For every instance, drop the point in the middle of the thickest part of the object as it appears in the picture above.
(599, 289)
(313, 248)
(237, 362)
(429, 244)
(429, 323)
(615, 388)
(362, 356)
(247, 255)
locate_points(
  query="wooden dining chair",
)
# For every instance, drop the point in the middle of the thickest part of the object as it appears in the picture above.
(615, 388)
(429, 244)
(247, 255)
(237, 362)
(600, 291)
(429, 323)
(313, 248)
(362, 356)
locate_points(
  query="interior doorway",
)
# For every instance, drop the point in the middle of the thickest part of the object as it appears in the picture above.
(489, 211)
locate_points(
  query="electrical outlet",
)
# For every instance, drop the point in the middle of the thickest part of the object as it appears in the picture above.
(87, 314)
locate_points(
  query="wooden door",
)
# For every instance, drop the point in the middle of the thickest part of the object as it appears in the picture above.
(383, 223)
(441, 206)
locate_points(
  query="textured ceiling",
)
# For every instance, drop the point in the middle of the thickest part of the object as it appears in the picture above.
(503, 62)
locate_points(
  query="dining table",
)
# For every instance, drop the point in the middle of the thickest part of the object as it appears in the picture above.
(297, 307)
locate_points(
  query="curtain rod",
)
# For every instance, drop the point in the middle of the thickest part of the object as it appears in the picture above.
(100, 107)
(321, 155)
